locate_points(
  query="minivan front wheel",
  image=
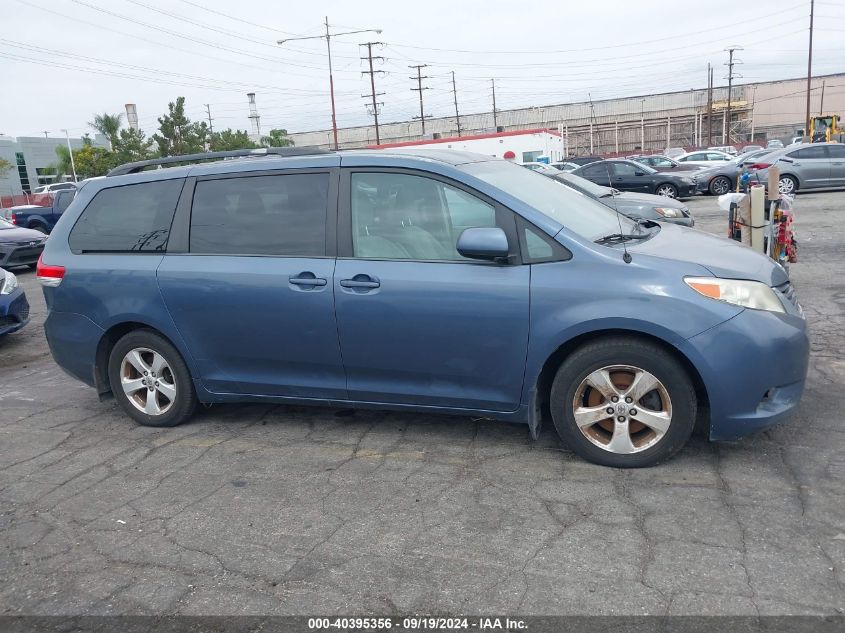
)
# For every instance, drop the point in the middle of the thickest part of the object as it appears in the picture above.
(623, 402)
(150, 380)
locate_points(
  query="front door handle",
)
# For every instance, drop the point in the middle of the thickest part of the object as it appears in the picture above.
(360, 283)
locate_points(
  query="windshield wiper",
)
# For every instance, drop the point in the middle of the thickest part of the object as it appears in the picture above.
(620, 237)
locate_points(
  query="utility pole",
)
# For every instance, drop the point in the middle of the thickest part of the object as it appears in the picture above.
(809, 71)
(821, 102)
(730, 65)
(373, 94)
(709, 105)
(455, 95)
(70, 152)
(420, 89)
(45, 131)
(328, 37)
(208, 112)
(495, 121)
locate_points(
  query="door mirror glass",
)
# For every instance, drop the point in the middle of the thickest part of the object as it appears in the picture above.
(483, 243)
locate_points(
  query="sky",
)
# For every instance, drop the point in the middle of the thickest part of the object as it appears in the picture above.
(62, 61)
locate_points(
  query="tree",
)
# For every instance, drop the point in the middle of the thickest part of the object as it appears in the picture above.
(277, 138)
(229, 140)
(131, 146)
(108, 125)
(63, 166)
(177, 134)
(5, 167)
(93, 161)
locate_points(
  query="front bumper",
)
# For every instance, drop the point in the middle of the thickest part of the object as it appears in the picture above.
(19, 254)
(754, 367)
(14, 311)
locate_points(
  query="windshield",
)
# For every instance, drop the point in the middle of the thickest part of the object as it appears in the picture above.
(585, 186)
(5, 224)
(574, 210)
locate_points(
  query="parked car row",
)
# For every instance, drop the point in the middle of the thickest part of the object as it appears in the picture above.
(627, 175)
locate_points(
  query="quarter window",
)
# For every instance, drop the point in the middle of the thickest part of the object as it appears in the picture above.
(282, 215)
(402, 216)
(128, 218)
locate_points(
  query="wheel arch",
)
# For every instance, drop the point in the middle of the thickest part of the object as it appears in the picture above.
(543, 384)
(107, 342)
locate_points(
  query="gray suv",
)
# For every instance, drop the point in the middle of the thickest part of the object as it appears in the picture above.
(805, 166)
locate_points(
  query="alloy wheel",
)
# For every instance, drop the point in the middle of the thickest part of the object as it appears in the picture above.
(147, 380)
(720, 186)
(786, 185)
(622, 409)
(666, 190)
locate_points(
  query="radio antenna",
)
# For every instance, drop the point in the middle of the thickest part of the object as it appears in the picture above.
(626, 256)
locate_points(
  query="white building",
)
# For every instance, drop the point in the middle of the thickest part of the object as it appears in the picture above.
(523, 146)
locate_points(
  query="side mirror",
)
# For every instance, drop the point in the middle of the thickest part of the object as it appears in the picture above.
(483, 243)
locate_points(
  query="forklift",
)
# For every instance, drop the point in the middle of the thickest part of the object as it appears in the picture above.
(826, 128)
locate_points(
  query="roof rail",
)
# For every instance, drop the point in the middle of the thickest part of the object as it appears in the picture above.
(134, 168)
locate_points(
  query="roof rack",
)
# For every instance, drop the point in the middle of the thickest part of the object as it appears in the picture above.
(134, 168)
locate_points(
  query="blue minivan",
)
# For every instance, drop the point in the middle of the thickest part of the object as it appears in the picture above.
(431, 281)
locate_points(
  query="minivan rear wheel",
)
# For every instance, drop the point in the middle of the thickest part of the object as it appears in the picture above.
(150, 380)
(623, 402)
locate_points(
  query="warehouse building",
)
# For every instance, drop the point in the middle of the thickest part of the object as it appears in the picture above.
(33, 160)
(758, 112)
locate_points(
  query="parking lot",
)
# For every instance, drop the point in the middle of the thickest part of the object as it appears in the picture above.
(292, 510)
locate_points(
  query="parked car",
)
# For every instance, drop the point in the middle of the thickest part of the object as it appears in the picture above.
(727, 149)
(705, 158)
(41, 218)
(664, 163)
(566, 166)
(722, 178)
(805, 166)
(626, 175)
(56, 186)
(543, 168)
(583, 160)
(14, 308)
(636, 206)
(674, 152)
(410, 279)
(19, 246)
(774, 144)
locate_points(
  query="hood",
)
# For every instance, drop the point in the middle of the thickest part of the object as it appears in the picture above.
(19, 234)
(647, 199)
(722, 256)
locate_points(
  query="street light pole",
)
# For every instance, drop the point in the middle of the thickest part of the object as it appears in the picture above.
(328, 37)
(70, 152)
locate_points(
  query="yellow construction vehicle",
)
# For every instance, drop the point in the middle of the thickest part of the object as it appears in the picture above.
(826, 128)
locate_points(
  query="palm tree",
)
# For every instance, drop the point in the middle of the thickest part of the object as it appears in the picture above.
(108, 125)
(63, 165)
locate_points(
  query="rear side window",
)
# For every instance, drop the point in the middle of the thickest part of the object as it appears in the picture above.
(810, 152)
(282, 215)
(128, 218)
(836, 151)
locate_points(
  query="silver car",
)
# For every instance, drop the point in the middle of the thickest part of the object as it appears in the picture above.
(805, 166)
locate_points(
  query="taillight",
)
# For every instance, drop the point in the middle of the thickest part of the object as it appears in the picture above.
(49, 275)
(756, 166)
(13, 219)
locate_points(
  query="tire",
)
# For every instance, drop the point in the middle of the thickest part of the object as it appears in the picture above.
(666, 189)
(670, 405)
(40, 228)
(174, 399)
(787, 185)
(720, 185)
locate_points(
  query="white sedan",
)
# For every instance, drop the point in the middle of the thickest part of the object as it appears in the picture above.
(705, 158)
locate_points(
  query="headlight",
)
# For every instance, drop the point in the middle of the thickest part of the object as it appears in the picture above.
(669, 213)
(10, 282)
(740, 292)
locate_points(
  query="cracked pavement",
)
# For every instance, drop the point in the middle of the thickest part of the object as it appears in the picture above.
(269, 510)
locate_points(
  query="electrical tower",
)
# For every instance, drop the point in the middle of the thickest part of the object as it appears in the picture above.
(422, 117)
(731, 63)
(373, 94)
(208, 112)
(495, 120)
(253, 115)
(455, 95)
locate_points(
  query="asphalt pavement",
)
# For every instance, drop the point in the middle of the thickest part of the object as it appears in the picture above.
(290, 510)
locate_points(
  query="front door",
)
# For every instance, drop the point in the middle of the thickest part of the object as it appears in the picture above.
(837, 165)
(253, 298)
(627, 177)
(419, 324)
